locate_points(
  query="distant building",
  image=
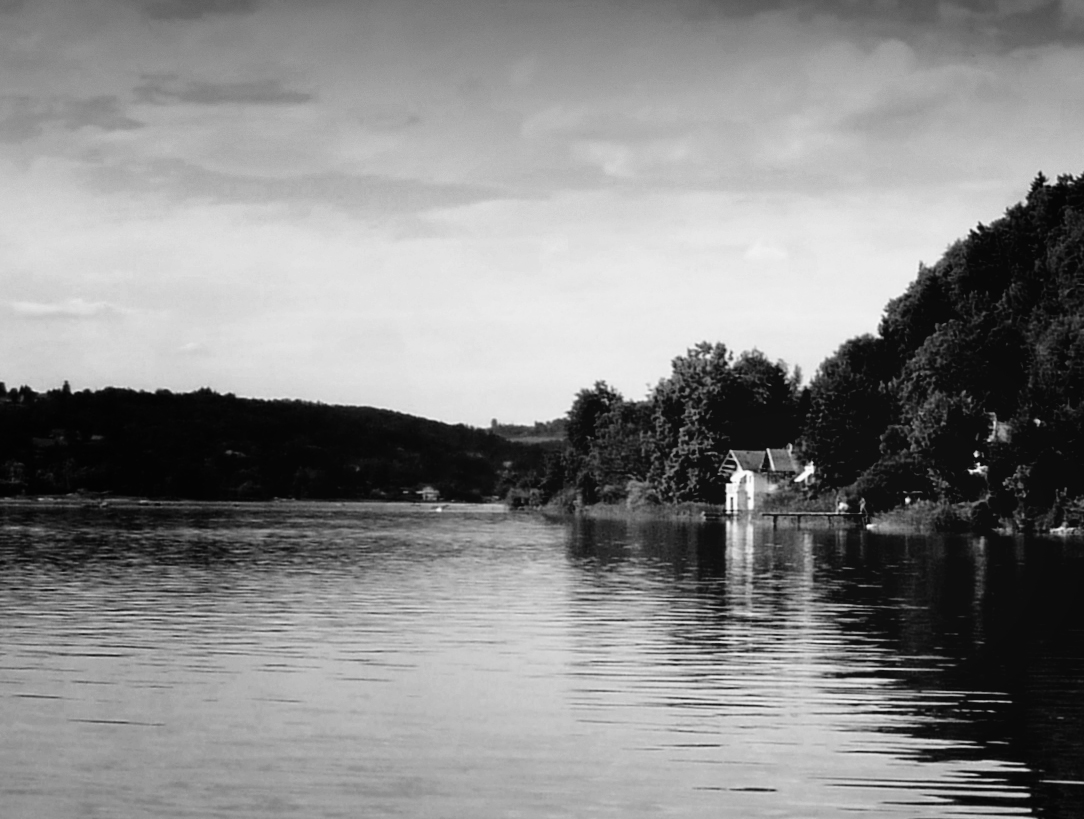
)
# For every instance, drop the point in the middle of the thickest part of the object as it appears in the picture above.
(429, 494)
(753, 473)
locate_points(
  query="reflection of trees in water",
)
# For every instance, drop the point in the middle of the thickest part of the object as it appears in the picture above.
(995, 627)
(974, 645)
(683, 550)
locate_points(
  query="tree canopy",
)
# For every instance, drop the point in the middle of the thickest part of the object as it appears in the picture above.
(978, 367)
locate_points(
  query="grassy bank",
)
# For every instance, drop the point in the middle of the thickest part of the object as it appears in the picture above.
(662, 511)
(924, 517)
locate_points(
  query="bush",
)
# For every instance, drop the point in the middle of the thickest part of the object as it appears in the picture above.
(565, 501)
(887, 483)
(788, 499)
(935, 516)
(612, 494)
(639, 494)
(948, 517)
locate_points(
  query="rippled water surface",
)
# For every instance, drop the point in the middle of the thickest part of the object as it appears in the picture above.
(327, 660)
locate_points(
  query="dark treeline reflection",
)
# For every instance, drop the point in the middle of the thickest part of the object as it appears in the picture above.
(507, 664)
(979, 640)
(688, 550)
(1001, 624)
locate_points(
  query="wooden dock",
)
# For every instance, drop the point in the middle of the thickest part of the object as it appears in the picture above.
(857, 517)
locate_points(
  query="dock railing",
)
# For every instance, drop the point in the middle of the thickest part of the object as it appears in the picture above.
(857, 517)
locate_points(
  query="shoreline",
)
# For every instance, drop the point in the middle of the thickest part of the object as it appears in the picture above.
(96, 501)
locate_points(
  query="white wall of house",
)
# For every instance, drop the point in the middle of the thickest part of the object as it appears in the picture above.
(744, 489)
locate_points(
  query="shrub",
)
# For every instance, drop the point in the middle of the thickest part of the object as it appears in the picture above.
(612, 494)
(888, 482)
(639, 494)
(788, 499)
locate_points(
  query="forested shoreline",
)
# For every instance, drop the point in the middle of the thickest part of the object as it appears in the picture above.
(970, 396)
(206, 446)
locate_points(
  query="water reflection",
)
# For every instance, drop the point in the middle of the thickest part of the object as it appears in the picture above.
(321, 660)
(956, 662)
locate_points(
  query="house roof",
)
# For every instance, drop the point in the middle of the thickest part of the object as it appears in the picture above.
(750, 460)
(780, 460)
(760, 460)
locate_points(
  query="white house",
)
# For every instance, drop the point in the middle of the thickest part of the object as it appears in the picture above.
(753, 473)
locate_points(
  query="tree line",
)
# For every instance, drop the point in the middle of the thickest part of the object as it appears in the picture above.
(970, 393)
(972, 390)
(670, 446)
(203, 445)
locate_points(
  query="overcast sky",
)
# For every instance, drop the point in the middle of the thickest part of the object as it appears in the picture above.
(466, 209)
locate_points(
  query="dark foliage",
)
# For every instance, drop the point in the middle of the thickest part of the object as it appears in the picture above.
(977, 375)
(671, 446)
(203, 445)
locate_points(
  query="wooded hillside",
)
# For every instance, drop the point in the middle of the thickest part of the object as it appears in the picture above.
(973, 388)
(208, 446)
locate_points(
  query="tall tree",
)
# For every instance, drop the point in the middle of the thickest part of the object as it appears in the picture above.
(692, 414)
(849, 410)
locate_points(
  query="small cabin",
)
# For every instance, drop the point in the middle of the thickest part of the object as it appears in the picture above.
(429, 494)
(753, 473)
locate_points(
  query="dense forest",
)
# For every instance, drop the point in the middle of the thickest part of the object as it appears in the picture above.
(203, 445)
(973, 388)
(971, 393)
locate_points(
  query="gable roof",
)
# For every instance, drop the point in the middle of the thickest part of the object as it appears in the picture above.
(780, 460)
(751, 460)
(760, 460)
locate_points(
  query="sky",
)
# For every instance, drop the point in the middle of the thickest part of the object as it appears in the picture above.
(473, 209)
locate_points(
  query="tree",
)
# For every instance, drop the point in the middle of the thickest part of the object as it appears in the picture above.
(849, 410)
(945, 435)
(766, 413)
(588, 418)
(618, 454)
(692, 414)
(586, 413)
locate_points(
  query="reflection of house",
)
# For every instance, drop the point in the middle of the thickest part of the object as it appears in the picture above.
(429, 494)
(753, 473)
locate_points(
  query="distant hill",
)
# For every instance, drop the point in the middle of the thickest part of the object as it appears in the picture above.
(203, 445)
(551, 434)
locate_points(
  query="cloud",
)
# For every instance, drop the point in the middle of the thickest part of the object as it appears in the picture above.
(628, 160)
(26, 118)
(194, 9)
(1073, 12)
(76, 308)
(388, 118)
(194, 348)
(759, 251)
(165, 89)
(373, 194)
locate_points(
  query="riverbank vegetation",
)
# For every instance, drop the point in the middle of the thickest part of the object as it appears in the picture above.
(968, 401)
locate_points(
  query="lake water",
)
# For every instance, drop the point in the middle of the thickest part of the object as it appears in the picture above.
(351, 661)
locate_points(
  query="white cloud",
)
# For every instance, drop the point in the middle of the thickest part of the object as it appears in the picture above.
(760, 251)
(69, 309)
